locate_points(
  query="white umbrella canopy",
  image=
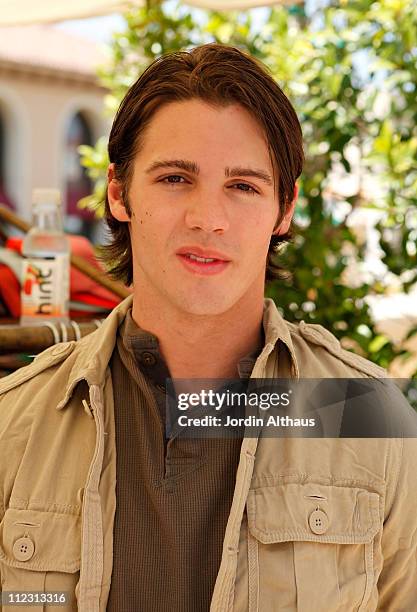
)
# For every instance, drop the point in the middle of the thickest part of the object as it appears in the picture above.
(25, 12)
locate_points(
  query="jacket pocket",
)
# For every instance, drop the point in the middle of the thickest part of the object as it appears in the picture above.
(311, 547)
(40, 552)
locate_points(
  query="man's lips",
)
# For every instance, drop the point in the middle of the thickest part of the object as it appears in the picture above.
(202, 253)
(202, 261)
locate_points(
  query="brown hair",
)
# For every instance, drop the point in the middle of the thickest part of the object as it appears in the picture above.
(220, 75)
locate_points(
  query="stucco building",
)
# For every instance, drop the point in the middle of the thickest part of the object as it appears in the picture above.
(50, 102)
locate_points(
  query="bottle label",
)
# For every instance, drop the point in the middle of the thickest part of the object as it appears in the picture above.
(45, 287)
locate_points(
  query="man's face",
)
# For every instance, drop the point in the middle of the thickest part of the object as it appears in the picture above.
(203, 208)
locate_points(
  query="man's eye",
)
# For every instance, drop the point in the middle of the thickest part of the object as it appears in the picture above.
(245, 187)
(173, 178)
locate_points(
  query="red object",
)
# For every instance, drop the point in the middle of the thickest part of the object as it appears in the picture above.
(15, 244)
(10, 290)
(27, 287)
(82, 288)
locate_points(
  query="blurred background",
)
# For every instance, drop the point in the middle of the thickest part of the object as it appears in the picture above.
(350, 69)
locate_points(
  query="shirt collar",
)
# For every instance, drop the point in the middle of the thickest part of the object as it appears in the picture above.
(142, 344)
(95, 350)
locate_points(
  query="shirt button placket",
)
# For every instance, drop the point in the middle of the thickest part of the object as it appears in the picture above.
(148, 358)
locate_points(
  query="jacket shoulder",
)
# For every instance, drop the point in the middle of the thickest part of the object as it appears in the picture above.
(314, 339)
(49, 357)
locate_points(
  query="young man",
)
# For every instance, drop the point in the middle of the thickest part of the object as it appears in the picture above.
(205, 152)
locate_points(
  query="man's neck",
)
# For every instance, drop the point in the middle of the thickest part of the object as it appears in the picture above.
(196, 346)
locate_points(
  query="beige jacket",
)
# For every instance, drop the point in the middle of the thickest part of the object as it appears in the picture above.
(315, 524)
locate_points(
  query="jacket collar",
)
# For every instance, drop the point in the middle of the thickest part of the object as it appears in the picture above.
(93, 353)
(277, 329)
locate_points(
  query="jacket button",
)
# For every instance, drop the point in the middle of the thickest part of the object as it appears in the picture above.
(148, 358)
(318, 521)
(23, 549)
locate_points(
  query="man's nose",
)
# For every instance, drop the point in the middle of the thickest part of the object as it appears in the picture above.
(207, 211)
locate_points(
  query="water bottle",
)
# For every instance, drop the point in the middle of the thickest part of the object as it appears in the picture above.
(46, 263)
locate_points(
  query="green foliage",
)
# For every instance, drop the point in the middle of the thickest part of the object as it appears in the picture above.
(351, 71)
(96, 160)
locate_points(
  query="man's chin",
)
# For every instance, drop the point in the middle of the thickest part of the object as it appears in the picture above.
(210, 305)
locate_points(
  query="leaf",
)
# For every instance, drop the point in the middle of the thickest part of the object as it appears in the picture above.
(383, 143)
(378, 343)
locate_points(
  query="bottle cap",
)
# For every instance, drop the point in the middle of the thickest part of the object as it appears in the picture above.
(46, 196)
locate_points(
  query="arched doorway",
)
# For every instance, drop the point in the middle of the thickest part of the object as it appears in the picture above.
(78, 184)
(4, 197)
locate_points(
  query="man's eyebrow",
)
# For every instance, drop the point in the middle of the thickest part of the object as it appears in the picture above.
(182, 164)
(193, 168)
(239, 171)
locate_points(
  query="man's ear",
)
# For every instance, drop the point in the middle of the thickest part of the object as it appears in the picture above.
(115, 196)
(284, 226)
